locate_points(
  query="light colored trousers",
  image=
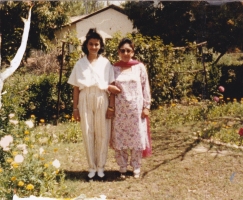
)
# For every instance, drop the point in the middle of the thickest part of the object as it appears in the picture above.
(122, 158)
(93, 103)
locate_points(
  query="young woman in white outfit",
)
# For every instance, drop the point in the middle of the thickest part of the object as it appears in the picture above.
(91, 78)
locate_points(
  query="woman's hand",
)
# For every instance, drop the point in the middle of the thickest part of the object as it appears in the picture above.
(113, 89)
(145, 113)
(76, 115)
(110, 114)
(76, 92)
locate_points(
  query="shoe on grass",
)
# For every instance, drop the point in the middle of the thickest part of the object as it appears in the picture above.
(123, 175)
(136, 173)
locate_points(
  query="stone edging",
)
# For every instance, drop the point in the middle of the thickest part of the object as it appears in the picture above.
(234, 146)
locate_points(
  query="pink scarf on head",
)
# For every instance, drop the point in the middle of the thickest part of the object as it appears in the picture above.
(126, 64)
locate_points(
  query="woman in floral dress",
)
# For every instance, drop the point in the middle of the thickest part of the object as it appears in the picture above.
(132, 104)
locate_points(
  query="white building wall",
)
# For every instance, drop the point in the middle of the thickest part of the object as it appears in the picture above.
(107, 23)
(59, 34)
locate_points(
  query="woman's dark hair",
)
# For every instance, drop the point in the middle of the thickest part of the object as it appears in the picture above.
(126, 41)
(92, 34)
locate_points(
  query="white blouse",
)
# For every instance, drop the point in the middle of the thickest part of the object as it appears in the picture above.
(84, 74)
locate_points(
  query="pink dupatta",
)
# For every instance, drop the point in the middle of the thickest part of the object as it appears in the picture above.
(148, 151)
(126, 64)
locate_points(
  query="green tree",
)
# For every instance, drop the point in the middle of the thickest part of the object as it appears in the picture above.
(168, 20)
(221, 26)
(46, 17)
(180, 22)
(84, 7)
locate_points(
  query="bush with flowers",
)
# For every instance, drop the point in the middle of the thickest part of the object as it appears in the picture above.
(24, 169)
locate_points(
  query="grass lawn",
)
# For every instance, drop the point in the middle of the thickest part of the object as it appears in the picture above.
(180, 168)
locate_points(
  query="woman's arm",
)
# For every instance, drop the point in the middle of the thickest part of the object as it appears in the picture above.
(75, 103)
(146, 92)
(113, 89)
(110, 113)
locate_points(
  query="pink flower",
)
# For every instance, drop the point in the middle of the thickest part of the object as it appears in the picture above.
(216, 99)
(221, 88)
(241, 132)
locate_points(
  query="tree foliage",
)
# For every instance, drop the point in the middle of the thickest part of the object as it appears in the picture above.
(46, 17)
(180, 22)
(83, 7)
(172, 72)
(169, 20)
(34, 90)
(222, 26)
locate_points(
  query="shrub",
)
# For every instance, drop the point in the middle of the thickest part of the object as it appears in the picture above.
(207, 120)
(24, 168)
(36, 95)
(33, 89)
(174, 73)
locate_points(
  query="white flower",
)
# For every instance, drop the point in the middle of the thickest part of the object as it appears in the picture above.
(48, 126)
(14, 121)
(43, 140)
(56, 163)
(25, 151)
(21, 146)
(102, 196)
(29, 123)
(18, 159)
(41, 150)
(6, 148)
(8, 138)
(5, 142)
(11, 115)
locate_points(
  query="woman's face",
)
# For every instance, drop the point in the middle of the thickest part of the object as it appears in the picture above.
(125, 52)
(93, 46)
